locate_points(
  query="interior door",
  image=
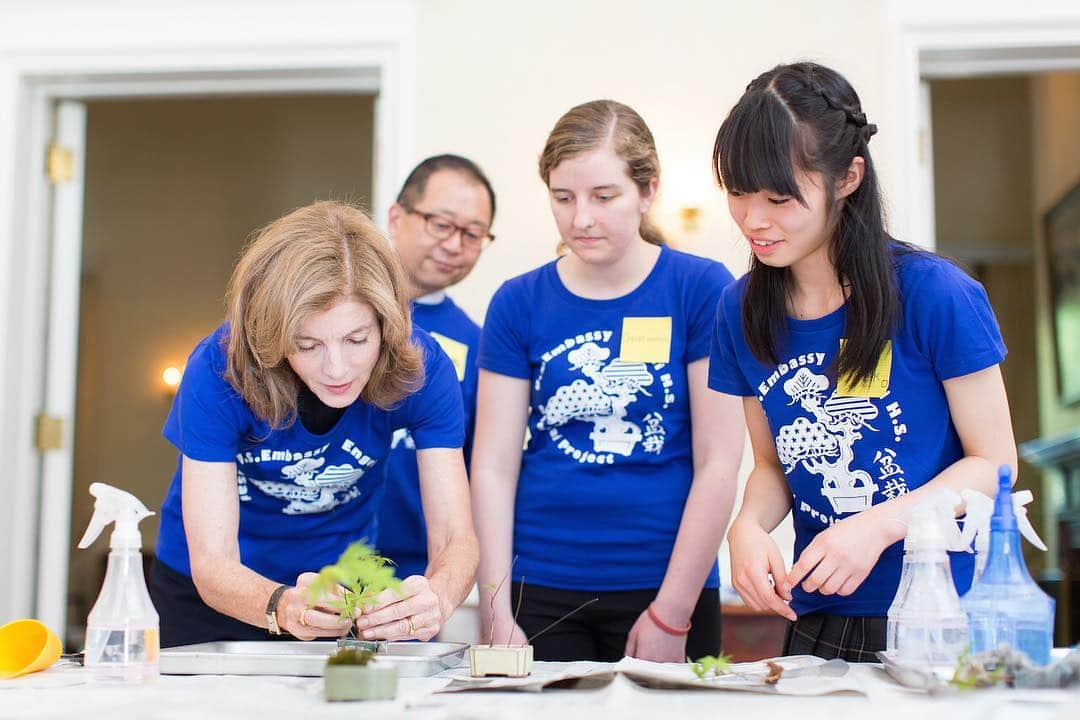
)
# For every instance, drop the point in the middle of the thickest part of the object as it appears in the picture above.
(66, 165)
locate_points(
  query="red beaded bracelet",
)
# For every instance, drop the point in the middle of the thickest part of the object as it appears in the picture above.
(664, 626)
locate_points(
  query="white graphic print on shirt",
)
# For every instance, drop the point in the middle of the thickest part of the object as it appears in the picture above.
(308, 487)
(602, 398)
(824, 443)
(402, 437)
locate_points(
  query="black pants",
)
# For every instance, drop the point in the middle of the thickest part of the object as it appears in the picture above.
(599, 631)
(186, 619)
(850, 638)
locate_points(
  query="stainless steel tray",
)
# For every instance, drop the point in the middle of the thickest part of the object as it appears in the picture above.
(307, 659)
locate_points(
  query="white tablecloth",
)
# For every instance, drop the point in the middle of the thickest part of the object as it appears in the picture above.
(63, 692)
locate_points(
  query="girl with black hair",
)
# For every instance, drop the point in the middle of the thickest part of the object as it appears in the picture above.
(868, 368)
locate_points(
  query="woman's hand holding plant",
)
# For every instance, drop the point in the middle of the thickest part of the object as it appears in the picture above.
(410, 612)
(306, 618)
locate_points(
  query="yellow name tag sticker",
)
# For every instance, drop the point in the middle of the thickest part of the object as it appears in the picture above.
(875, 386)
(646, 339)
(458, 352)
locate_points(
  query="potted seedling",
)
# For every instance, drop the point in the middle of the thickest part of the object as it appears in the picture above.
(355, 580)
(506, 659)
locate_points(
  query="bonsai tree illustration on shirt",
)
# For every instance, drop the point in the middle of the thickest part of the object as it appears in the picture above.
(310, 492)
(602, 400)
(825, 444)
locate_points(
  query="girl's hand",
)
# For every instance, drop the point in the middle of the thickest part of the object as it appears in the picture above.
(754, 558)
(838, 560)
(504, 631)
(411, 613)
(648, 642)
(307, 623)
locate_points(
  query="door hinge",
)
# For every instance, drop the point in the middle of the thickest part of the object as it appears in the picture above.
(50, 433)
(59, 163)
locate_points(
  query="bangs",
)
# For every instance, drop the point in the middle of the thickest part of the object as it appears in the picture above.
(757, 147)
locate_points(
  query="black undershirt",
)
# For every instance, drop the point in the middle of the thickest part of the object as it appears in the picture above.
(316, 417)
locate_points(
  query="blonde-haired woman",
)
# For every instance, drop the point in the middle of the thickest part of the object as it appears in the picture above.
(628, 477)
(282, 414)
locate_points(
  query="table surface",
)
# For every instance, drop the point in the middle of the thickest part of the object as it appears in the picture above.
(63, 692)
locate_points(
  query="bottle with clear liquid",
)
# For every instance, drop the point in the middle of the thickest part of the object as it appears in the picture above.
(122, 640)
(1005, 606)
(926, 625)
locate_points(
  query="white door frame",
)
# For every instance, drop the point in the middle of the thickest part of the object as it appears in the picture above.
(931, 40)
(280, 54)
(61, 344)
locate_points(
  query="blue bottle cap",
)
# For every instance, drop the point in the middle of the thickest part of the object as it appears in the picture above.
(1004, 517)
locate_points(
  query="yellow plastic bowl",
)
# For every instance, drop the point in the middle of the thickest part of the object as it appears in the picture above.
(27, 646)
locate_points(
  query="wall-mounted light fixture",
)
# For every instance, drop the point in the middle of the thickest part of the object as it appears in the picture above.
(170, 376)
(691, 219)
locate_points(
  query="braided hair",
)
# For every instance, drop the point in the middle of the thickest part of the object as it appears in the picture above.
(807, 117)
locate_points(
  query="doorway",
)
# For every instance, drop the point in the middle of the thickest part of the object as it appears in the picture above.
(173, 188)
(1005, 154)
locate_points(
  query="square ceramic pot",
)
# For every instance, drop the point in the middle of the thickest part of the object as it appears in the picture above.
(360, 682)
(508, 661)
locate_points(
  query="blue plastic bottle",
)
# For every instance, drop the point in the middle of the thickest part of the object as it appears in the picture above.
(1005, 605)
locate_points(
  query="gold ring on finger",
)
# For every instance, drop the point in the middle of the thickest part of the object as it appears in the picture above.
(412, 628)
(303, 616)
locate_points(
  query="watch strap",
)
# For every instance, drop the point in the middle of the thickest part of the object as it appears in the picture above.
(271, 610)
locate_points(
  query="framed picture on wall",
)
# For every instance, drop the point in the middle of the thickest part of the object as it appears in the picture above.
(1063, 270)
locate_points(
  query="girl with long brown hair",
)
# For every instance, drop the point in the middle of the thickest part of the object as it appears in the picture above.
(628, 475)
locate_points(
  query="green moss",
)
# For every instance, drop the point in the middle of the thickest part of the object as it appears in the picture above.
(351, 656)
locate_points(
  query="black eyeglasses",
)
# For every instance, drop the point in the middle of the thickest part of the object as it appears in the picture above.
(440, 227)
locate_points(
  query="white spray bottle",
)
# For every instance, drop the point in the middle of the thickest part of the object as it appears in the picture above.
(926, 625)
(977, 524)
(122, 631)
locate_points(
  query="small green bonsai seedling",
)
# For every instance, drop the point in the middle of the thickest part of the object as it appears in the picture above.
(710, 664)
(359, 576)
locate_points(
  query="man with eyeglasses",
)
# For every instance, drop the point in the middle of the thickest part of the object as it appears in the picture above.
(439, 225)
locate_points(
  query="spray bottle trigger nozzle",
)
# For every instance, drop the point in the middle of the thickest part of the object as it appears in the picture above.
(115, 506)
(1020, 499)
(94, 529)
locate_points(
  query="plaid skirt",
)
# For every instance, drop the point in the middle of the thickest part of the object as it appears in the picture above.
(850, 638)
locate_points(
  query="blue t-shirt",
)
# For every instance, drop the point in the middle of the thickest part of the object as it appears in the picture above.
(303, 497)
(402, 534)
(846, 448)
(607, 465)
